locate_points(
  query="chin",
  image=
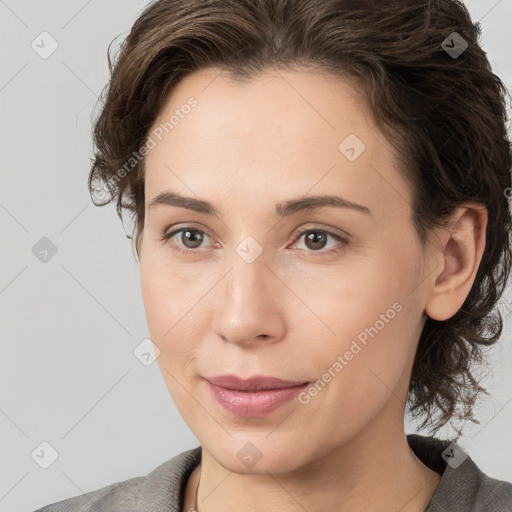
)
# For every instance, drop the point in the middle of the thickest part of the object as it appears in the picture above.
(253, 454)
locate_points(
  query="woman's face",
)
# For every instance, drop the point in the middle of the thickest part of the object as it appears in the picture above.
(267, 287)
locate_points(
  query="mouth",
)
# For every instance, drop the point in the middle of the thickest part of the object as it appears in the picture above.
(253, 397)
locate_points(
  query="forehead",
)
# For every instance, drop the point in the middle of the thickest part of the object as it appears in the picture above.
(296, 130)
(300, 104)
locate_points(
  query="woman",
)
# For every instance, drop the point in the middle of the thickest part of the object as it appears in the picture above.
(319, 194)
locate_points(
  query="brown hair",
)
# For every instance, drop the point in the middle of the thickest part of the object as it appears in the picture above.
(445, 114)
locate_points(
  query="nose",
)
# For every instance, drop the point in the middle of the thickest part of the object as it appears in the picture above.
(250, 302)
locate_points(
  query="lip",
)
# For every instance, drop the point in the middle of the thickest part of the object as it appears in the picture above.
(256, 383)
(253, 397)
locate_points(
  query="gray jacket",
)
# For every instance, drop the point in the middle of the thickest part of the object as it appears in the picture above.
(463, 487)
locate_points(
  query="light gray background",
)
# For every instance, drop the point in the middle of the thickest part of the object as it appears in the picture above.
(69, 326)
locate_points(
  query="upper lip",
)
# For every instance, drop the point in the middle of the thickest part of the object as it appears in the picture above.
(256, 383)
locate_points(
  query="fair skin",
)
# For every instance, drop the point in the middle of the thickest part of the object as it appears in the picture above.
(293, 310)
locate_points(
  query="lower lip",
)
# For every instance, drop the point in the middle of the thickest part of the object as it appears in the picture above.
(254, 404)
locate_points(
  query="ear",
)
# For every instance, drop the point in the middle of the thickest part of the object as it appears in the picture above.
(460, 249)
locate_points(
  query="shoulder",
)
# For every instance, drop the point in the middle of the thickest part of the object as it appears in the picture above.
(161, 490)
(463, 485)
(120, 494)
(502, 495)
(469, 488)
(488, 494)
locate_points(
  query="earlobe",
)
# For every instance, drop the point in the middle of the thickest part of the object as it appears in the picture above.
(460, 250)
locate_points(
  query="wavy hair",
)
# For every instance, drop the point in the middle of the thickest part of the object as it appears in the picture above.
(445, 115)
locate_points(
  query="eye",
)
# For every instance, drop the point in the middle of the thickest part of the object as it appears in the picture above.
(190, 237)
(316, 239)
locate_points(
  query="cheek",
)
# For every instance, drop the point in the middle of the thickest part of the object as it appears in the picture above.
(377, 355)
(372, 339)
(170, 303)
(167, 293)
(375, 325)
(356, 379)
(156, 302)
(168, 312)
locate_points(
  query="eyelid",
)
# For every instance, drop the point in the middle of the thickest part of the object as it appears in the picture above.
(336, 232)
(171, 231)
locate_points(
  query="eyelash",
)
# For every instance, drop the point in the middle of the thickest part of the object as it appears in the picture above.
(335, 236)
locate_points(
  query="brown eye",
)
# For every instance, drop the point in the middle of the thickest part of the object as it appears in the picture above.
(189, 241)
(191, 238)
(317, 239)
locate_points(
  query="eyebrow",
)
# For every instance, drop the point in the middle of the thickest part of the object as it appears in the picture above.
(282, 209)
